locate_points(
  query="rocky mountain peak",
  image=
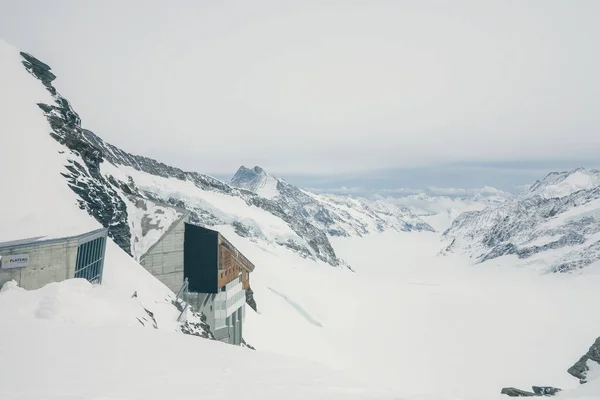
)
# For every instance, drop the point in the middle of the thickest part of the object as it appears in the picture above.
(256, 180)
(245, 175)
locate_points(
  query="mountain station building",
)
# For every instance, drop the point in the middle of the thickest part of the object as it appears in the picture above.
(217, 274)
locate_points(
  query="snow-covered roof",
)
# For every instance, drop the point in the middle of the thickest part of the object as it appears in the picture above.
(35, 199)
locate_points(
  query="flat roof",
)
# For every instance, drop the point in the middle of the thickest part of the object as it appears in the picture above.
(48, 240)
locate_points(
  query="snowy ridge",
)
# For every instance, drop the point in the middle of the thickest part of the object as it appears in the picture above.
(559, 234)
(111, 184)
(561, 184)
(29, 154)
(335, 215)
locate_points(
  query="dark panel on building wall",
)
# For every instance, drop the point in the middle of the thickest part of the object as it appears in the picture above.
(200, 249)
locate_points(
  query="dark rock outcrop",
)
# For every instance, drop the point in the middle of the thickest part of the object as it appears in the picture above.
(247, 345)
(545, 390)
(250, 299)
(196, 326)
(38, 69)
(514, 392)
(537, 391)
(580, 368)
(96, 194)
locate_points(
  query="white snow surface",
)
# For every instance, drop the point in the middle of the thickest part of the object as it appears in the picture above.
(110, 304)
(78, 362)
(74, 340)
(36, 200)
(266, 187)
(422, 324)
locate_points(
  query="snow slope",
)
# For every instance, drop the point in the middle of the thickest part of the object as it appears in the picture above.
(221, 207)
(30, 155)
(72, 340)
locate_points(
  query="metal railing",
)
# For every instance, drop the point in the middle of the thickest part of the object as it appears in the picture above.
(182, 299)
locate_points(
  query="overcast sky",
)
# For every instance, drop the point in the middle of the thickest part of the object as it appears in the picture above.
(327, 87)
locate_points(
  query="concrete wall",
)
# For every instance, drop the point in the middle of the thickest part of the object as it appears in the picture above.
(48, 262)
(164, 259)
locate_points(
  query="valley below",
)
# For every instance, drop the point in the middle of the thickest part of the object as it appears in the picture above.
(420, 323)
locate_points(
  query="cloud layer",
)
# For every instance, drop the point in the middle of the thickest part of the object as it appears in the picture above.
(325, 87)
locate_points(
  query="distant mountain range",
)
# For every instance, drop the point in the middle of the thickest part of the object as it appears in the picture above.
(557, 220)
(137, 198)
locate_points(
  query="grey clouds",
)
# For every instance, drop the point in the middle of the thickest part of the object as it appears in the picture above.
(326, 88)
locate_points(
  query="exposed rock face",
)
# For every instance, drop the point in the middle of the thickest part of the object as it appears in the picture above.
(535, 224)
(513, 392)
(256, 180)
(247, 345)
(537, 391)
(97, 195)
(545, 390)
(250, 299)
(39, 69)
(580, 369)
(196, 325)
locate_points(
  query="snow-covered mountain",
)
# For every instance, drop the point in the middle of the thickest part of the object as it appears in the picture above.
(381, 327)
(135, 196)
(257, 180)
(555, 224)
(335, 215)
